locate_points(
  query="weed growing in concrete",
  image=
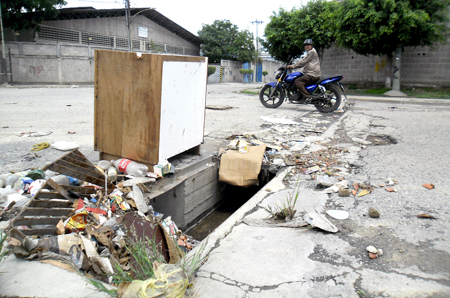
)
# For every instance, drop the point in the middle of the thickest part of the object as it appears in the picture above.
(286, 210)
(3, 251)
(192, 263)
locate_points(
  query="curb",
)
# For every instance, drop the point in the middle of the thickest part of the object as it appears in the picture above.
(402, 100)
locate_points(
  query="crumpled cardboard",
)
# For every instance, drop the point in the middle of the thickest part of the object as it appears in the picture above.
(241, 169)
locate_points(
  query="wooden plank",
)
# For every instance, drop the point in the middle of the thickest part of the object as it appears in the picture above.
(28, 221)
(39, 232)
(83, 164)
(43, 211)
(127, 105)
(76, 154)
(51, 195)
(59, 189)
(111, 84)
(80, 189)
(141, 108)
(73, 173)
(88, 173)
(96, 107)
(51, 203)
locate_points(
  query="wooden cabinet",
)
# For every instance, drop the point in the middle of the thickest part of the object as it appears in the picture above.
(148, 107)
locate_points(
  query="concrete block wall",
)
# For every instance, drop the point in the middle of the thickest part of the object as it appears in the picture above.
(52, 63)
(272, 68)
(420, 66)
(231, 71)
(426, 66)
(215, 77)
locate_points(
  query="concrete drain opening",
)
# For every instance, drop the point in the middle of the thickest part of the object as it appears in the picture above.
(197, 201)
(378, 140)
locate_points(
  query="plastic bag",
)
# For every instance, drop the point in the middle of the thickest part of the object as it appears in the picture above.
(169, 281)
(64, 145)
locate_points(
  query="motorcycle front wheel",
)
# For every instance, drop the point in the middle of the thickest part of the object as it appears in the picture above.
(274, 101)
(332, 100)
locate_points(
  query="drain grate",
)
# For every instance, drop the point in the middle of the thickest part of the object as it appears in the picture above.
(381, 140)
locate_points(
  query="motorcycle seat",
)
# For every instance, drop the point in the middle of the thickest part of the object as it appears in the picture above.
(326, 78)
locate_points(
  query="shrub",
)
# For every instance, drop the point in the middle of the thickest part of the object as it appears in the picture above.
(211, 70)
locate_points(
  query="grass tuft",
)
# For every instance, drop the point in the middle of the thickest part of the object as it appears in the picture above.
(286, 210)
(3, 251)
(192, 263)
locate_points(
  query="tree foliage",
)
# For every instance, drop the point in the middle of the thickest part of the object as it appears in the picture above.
(223, 40)
(287, 30)
(24, 14)
(379, 27)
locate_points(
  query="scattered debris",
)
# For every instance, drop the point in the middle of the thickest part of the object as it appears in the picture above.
(338, 214)
(363, 192)
(374, 212)
(317, 220)
(325, 181)
(35, 134)
(424, 215)
(71, 215)
(429, 186)
(373, 252)
(344, 192)
(64, 145)
(390, 189)
(218, 107)
(40, 146)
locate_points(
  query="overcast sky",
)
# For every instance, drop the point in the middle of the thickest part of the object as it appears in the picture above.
(192, 14)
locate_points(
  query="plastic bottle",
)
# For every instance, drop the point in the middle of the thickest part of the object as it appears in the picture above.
(61, 179)
(50, 174)
(11, 179)
(130, 167)
(74, 181)
(112, 174)
(22, 184)
(104, 164)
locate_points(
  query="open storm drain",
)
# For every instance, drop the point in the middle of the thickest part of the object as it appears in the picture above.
(381, 140)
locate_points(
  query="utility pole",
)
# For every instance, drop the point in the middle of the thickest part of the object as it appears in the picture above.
(3, 36)
(127, 18)
(257, 49)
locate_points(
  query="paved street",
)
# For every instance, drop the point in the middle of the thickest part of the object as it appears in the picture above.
(407, 142)
(253, 261)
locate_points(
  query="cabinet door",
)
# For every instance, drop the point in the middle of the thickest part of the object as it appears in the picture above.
(183, 100)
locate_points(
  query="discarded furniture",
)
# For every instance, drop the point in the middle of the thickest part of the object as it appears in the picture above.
(148, 107)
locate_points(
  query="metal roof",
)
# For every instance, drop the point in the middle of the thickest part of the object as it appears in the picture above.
(151, 14)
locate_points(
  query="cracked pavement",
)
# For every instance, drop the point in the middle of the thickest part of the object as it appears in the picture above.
(406, 142)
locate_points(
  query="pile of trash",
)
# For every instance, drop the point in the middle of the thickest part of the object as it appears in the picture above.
(91, 217)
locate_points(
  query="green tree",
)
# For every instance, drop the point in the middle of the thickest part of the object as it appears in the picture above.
(287, 30)
(380, 27)
(223, 40)
(24, 14)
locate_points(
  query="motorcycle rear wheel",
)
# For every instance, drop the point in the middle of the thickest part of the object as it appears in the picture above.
(271, 102)
(332, 100)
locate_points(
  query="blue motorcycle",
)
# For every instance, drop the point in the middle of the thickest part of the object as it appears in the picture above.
(325, 93)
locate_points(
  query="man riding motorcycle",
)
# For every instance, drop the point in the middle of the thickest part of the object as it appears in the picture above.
(311, 70)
